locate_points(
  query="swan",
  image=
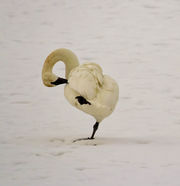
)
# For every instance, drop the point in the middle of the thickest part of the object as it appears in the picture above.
(87, 88)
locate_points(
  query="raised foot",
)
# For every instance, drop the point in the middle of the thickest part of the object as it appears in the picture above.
(80, 139)
(82, 100)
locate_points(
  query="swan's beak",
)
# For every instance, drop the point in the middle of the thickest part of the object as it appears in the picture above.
(60, 81)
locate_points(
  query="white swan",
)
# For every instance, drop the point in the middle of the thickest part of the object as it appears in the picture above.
(86, 87)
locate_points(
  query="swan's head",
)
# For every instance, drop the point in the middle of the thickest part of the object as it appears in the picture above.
(48, 78)
(51, 80)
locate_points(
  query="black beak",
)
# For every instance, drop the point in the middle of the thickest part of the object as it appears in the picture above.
(60, 81)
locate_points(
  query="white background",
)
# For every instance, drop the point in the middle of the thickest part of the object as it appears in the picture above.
(137, 42)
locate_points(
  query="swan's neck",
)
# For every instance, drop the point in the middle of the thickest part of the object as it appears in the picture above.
(66, 56)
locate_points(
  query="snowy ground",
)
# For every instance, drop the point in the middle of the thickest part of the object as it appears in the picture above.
(137, 42)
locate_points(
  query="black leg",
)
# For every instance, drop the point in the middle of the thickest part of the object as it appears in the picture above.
(95, 127)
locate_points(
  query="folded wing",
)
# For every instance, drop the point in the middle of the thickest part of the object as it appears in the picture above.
(86, 80)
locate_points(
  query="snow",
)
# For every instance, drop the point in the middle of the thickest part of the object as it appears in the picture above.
(135, 42)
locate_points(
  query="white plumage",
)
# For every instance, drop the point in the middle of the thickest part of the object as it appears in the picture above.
(86, 80)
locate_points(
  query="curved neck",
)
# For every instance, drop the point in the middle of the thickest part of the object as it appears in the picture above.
(66, 56)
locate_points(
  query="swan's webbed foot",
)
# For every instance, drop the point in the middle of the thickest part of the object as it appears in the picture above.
(59, 81)
(81, 139)
(82, 100)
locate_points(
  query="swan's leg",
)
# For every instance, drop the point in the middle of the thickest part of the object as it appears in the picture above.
(95, 127)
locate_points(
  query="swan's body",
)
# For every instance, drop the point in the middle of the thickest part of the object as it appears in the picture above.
(99, 92)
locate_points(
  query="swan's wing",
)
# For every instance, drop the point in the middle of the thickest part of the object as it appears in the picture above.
(110, 92)
(109, 84)
(86, 80)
